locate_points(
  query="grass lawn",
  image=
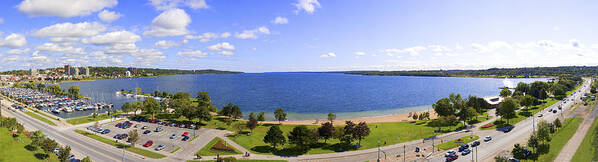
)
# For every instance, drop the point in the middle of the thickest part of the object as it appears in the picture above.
(452, 144)
(139, 151)
(240, 160)
(40, 118)
(13, 149)
(88, 119)
(46, 115)
(522, 114)
(195, 137)
(560, 138)
(177, 149)
(207, 150)
(389, 133)
(586, 151)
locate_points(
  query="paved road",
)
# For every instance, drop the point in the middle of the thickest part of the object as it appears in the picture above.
(96, 150)
(570, 148)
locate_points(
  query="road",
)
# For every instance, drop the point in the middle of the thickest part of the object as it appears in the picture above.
(570, 148)
(96, 150)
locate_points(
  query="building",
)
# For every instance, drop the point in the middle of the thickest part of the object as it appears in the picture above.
(33, 71)
(74, 71)
(67, 69)
(128, 74)
(494, 101)
(132, 70)
(85, 71)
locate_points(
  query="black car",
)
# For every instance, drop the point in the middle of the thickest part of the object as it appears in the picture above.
(475, 143)
(147, 132)
(506, 129)
(185, 138)
(463, 147)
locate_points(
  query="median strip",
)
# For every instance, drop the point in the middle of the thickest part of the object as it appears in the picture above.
(139, 151)
(40, 118)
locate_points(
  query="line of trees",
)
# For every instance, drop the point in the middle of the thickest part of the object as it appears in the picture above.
(455, 108)
(492, 72)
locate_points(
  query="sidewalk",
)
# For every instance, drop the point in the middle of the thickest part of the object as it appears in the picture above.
(570, 148)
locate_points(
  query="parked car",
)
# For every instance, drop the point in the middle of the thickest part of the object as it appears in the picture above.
(118, 125)
(182, 126)
(465, 152)
(554, 111)
(56, 151)
(475, 143)
(463, 147)
(173, 136)
(541, 115)
(185, 138)
(148, 143)
(144, 127)
(158, 129)
(106, 131)
(192, 126)
(160, 147)
(99, 130)
(186, 134)
(147, 132)
(513, 160)
(449, 153)
(487, 138)
(90, 128)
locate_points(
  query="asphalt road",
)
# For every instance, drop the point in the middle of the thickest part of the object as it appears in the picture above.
(96, 150)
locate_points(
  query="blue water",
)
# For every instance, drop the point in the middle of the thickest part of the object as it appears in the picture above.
(303, 95)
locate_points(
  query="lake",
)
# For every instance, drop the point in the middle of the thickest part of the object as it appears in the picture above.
(305, 96)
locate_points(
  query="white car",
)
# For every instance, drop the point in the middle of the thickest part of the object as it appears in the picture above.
(541, 115)
(487, 138)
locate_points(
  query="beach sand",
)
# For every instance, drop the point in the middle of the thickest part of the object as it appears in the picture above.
(375, 119)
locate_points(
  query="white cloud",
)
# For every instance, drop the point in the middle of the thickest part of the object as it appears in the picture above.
(170, 4)
(491, 46)
(359, 53)
(166, 44)
(172, 22)
(280, 20)
(13, 41)
(308, 6)
(195, 53)
(196, 4)
(109, 16)
(331, 54)
(63, 8)
(252, 34)
(1, 21)
(222, 46)
(206, 37)
(411, 51)
(227, 53)
(69, 31)
(117, 37)
(52, 47)
(17, 51)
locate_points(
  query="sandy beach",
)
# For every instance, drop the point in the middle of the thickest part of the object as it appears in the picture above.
(375, 119)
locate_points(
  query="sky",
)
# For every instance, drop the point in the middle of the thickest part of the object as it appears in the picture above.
(298, 35)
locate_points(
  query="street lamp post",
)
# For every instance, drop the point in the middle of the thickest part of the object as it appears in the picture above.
(378, 160)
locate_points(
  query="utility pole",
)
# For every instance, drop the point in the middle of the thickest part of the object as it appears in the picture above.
(378, 160)
(404, 152)
(472, 154)
(476, 153)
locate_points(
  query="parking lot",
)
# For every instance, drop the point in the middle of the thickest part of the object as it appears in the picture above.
(158, 138)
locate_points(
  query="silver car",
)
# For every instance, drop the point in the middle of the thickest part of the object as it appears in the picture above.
(160, 147)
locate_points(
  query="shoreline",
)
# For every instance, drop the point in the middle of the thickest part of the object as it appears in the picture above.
(400, 117)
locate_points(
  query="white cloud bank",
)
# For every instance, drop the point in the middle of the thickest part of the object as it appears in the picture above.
(63, 8)
(172, 22)
(13, 41)
(280, 20)
(308, 6)
(109, 16)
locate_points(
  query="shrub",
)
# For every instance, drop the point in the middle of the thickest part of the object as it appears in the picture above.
(219, 146)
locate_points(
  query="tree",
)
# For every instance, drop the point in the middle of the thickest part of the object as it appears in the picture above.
(133, 137)
(54, 88)
(422, 116)
(236, 112)
(518, 152)
(204, 114)
(252, 116)
(251, 124)
(74, 92)
(414, 116)
(41, 86)
(127, 107)
(239, 127)
(557, 123)
(443, 107)
(543, 132)
(137, 106)
(478, 103)
(325, 131)
(505, 92)
(280, 115)
(533, 142)
(338, 133)
(274, 136)
(138, 91)
(227, 110)
(181, 95)
(301, 136)
(86, 159)
(37, 138)
(48, 145)
(527, 100)
(64, 154)
(261, 117)
(522, 87)
(151, 106)
(466, 113)
(203, 99)
(360, 131)
(331, 117)
(506, 109)
(538, 89)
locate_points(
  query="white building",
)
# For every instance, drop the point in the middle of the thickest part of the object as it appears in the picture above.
(128, 74)
(33, 71)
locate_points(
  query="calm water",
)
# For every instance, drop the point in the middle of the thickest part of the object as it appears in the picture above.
(306, 96)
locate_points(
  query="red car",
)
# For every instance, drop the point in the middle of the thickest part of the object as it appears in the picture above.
(153, 121)
(148, 143)
(186, 134)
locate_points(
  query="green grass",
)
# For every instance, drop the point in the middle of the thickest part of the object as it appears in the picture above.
(139, 151)
(586, 151)
(177, 149)
(89, 118)
(40, 118)
(46, 115)
(560, 138)
(522, 114)
(207, 150)
(452, 144)
(13, 149)
(196, 136)
(383, 132)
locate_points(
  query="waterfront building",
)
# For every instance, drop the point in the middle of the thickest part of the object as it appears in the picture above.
(33, 71)
(85, 71)
(128, 74)
(132, 70)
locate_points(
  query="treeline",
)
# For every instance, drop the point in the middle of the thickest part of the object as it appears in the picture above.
(493, 72)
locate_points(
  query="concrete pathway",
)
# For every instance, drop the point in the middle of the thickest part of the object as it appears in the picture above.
(571, 147)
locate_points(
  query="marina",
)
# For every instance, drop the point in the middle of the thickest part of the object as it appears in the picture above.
(48, 102)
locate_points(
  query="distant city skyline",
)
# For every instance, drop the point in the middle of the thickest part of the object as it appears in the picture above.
(297, 35)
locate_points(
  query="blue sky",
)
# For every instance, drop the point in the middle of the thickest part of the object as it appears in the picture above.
(297, 35)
